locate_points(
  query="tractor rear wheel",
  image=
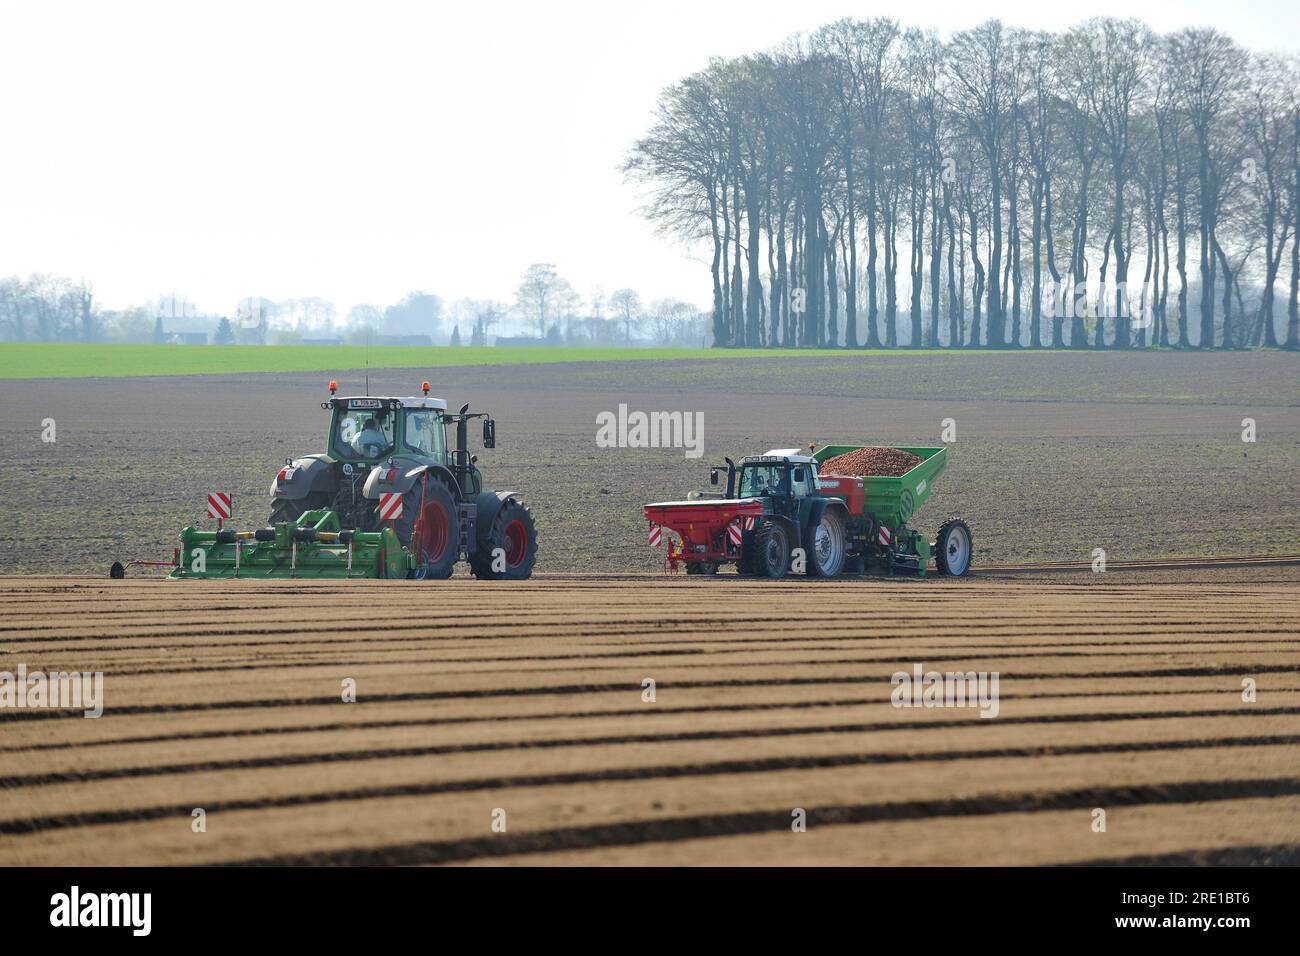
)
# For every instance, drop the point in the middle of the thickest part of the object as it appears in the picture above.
(291, 509)
(429, 528)
(768, 551)
(953, 548)
(824, 544)
(509, 550)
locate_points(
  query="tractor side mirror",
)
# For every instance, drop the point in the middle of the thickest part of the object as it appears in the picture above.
(489, 433)
(713, 476)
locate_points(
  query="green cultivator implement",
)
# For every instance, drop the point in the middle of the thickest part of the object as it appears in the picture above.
(312, 547)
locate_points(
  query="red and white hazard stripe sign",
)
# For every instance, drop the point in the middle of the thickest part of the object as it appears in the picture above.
(219, 505)
(750, 521)
(883, 536)
(734, 533)
(655, 536)
(390, 505)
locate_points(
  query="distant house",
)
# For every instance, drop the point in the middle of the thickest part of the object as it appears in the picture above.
(187, 338)
(517, 341)
(420, 340)
(322, 341)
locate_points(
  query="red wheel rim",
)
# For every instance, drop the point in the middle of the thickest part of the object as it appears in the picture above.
(516, 543)
(430, 533)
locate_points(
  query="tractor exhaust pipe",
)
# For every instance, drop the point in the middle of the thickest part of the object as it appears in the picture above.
(462, 438)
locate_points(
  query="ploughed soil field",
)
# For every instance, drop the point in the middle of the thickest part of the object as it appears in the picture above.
(1055, 454)
(525, 705)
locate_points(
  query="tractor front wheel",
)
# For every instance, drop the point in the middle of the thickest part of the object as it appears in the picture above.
(509, 550)
(429, 529)
(768, 551)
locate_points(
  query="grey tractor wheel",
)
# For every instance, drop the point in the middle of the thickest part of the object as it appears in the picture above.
(291, 509)
(509, 550)
(824, 545)
(954, 548)
(767, 552)
(429, 528)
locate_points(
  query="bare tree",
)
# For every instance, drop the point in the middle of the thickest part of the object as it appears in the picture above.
(1210, 69)
(543, 295)
(980, 72)
(1272, 101)
(1122, 53)
(1293, 309)
(626, 304)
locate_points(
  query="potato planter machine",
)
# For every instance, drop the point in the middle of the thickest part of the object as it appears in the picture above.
(780, 501)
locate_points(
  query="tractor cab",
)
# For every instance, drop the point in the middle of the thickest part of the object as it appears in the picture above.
(783, 479)
(370, 430)
(383, 441)
(781, 472)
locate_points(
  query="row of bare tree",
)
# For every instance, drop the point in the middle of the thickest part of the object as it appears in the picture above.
(1101, 187)
(47, 308)
(546, 301)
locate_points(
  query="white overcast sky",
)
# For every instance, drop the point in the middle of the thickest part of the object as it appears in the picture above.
(359, 151)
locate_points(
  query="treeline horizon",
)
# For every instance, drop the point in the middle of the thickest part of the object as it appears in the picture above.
(546, 308)
(1100, 187)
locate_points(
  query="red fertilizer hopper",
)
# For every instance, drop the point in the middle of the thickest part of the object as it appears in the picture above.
(711, 530)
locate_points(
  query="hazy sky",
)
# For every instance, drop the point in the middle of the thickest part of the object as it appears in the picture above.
(358, 151)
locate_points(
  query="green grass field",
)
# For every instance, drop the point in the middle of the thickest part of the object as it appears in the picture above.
(71, 360)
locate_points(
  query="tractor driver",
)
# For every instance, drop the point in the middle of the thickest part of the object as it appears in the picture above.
(776, 482)
(419, 432)
(370, 441)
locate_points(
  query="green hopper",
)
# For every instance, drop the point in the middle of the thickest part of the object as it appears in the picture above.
(881, 506)
(893, 501)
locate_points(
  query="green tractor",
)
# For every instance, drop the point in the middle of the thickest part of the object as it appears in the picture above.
(388, 498)
(387, 467)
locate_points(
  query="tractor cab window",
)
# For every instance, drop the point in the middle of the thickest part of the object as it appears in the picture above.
(425, 434)
(757, 481)
(802, 477)
(363, 433)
